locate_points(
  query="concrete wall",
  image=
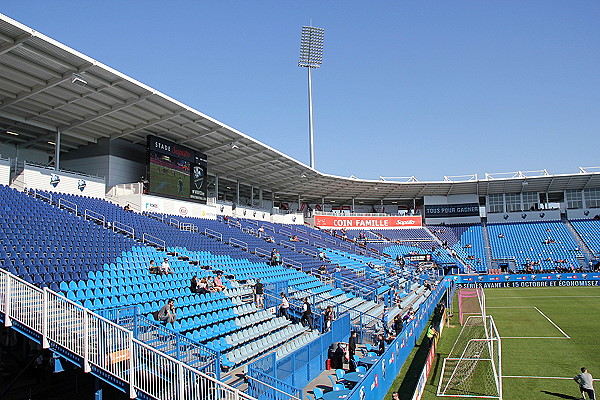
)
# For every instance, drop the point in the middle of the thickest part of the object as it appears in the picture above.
(119, 161)
(8, 150)
(4, 172)
(587, 213)
(177, 207)
(525, 216)
(45, 179)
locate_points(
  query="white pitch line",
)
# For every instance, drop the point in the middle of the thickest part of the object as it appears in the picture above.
(535, 377)
(512, 307)
(557, 327)
(541, 377)
(537, 297)
(535, 337)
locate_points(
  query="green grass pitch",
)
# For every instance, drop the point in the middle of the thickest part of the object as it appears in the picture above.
(165, 181)
(547, 335)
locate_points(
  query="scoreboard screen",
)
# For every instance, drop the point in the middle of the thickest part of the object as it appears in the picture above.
(175, 171)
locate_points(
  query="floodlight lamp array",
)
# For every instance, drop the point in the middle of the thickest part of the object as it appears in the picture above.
(311, 47)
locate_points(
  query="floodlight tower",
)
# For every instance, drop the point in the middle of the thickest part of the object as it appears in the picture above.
(311, 56)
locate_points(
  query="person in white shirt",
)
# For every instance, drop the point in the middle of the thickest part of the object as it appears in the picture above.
(284, 306)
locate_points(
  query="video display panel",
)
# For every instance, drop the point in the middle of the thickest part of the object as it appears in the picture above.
(176, 171)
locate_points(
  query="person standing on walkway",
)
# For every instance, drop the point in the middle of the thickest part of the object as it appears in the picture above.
(306, 317)
(284, 306)
(259, 294)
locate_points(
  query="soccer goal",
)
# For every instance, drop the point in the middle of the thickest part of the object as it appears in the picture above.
(470, 302)
(473, 367)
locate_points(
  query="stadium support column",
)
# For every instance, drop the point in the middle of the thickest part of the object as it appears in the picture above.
(57, 150)
(237, 192)
(353, 204)
(260, 198)
(311, 131)
(217, 188)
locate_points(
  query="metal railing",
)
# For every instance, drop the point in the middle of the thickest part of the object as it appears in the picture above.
(264, 390)
(288, 245)
(160, 337)
(286, 232)
(69, 205)
(295, 264)
(89, 214)
(41, 195)
(213, 234)
(262, 252)
(102, 347)
(122, 228)
(238, 243)
(161, 244)
(309, 252)
(174, 222)
(188, 226)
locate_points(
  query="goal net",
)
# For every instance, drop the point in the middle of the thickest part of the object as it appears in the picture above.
(470, 302)
(473, 367)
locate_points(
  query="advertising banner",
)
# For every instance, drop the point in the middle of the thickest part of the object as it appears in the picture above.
(529, 280)
(375, 222)
(452, 210)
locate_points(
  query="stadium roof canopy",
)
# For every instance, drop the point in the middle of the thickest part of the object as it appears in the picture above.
(46, 86)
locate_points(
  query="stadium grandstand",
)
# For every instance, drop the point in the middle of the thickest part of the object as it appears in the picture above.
(101, 174)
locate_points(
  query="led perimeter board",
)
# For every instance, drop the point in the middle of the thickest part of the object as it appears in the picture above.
(175, 171)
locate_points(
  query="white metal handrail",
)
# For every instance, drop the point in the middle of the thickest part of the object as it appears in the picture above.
(309, 252)
(46, 197)
(188, 226)
(174, 222)
(291, 262)
(286, 232)
(160, 243)
(89, 214)
(214, 234)
(104, 345)
(238, 243)
(69, 205)
(261, 252)
(121, 227)
(288, 245)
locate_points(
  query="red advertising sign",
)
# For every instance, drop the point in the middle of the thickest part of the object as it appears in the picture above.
(375, 222)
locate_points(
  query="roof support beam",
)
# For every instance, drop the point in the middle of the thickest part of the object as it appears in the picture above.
(148, 124)
(201, 135)
(40, 88)
(5, 48)
(107, 111)
(254, 153)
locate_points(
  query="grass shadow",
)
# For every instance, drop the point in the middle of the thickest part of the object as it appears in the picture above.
(560, 395)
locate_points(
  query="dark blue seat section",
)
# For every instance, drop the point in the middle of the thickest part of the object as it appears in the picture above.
(195, 242)
(45, 245)
(467, 241)
(245, 231)
(549, 245)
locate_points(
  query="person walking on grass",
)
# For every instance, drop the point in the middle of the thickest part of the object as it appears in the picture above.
(586, 384)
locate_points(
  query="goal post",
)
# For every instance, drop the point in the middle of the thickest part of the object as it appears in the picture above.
(470, 302)
(474, 366)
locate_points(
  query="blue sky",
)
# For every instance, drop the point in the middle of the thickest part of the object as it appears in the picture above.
(406, 88)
